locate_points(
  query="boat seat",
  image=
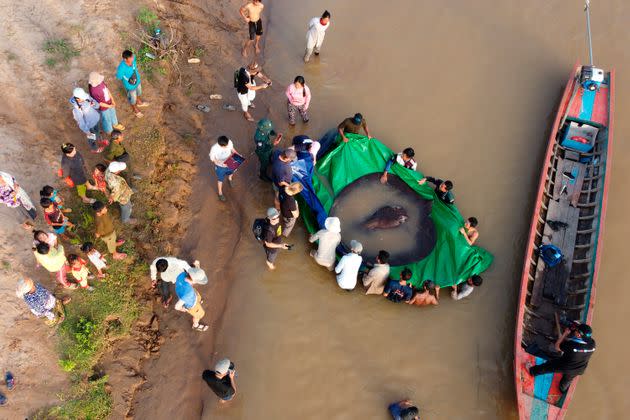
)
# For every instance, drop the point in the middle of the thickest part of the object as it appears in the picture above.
(552, 284)
(567, 183)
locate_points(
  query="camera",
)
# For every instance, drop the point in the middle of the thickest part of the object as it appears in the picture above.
(289, 247)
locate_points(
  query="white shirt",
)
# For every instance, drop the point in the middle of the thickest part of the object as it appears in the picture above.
(328, 242)
(400, 161)
(347, 270)
(220, 154)
(175, 268)
(97, 259)
(467, 289)
(316, 32)
(375, 279)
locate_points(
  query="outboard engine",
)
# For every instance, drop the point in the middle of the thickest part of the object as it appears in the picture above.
(591, 77)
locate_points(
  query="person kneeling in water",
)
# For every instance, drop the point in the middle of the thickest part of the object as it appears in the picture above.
(428, 295)
(398, 290)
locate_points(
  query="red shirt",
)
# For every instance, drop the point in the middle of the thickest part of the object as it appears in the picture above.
(101, 93)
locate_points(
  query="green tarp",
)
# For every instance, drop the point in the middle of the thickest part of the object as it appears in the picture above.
(451, 261)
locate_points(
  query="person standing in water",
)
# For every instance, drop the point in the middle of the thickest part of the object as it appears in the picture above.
(315, 34)
(265, 139)
(246, 87)
(347, 268)
(299, 99)
(252, 12)
(328, 238)
(353, 125)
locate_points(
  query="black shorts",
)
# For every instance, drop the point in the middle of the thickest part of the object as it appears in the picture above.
(255, 28)
(272, 253)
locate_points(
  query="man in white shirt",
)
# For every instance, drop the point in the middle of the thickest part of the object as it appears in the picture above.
(315, 34)
(168, 268)
(221, 151)
(347, 268)
(463, 290)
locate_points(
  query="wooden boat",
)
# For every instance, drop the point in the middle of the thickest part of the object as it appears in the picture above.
(573, 190)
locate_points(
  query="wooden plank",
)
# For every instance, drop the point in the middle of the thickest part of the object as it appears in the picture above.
(565, 187)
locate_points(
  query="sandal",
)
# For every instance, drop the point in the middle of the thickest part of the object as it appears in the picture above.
(144, 104)
(9, 379)
(120, 256)
(200, 327)
(139, 114)
(203, 108)
(120, 242)
(222, 198)
(119, 127)
(3, 400)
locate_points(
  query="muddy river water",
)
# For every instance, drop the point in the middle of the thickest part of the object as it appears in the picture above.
(473, 87)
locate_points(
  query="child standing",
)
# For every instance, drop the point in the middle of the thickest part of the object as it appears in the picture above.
(105, 230)
(53, 195)
(78, 267)
(98, 175)
(55, 218)
(95, 258)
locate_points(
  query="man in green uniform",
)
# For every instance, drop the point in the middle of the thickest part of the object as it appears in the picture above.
(265, 138)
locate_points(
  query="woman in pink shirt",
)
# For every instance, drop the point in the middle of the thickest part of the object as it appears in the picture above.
(299, 96)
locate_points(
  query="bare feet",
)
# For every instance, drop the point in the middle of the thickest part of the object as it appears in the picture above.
(248, 116)
(270, 265)
(244, 51)
(119, 256)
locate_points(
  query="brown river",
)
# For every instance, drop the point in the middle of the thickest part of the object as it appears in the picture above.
(473, 86)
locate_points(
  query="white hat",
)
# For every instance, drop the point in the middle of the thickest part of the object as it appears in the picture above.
(23, 287)
(117, 166)
(95, 78)
(79, 93)
(222, 366)
(333, 224)
(356, 246)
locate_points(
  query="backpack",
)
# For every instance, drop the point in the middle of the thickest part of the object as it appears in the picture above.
(550, 254)
(237, 74)
(258, 229)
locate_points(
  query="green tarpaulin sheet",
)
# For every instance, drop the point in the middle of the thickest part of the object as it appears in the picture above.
(452, 260)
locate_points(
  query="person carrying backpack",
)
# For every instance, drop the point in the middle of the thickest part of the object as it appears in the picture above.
(269, 232)
(245, 84)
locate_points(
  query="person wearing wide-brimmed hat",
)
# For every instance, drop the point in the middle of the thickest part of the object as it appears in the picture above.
(107, 106)
(40, 301)
(347, 268)
(120, 191)
(246, 87)
(329, 238)
(85, 113)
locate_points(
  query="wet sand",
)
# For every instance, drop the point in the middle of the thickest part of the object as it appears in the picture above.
(473, 88)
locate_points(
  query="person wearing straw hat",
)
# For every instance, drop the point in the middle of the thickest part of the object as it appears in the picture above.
(246, 87)
(107, 106)
(40, 301)
(222, 380)
(289, 207)
(347, 268)
(329, 238)
(120, 191)
(189, 300)
(85, 113)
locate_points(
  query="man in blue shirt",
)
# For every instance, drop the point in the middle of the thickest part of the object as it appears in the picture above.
(189, 300)
(127, 72)
(398, 290)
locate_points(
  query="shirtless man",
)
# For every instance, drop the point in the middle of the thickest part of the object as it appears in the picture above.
(251, 13)
(429, 295)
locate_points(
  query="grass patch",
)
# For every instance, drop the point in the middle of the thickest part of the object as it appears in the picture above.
(59, 51)
(89, 400)
(148, 19)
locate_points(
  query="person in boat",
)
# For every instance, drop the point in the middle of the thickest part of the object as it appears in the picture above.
(405, 158)
(442, 189)
(328, 240)
(577, 346)
(398, 290)
(470, 230)
(265, 139)
(353, 125)
(375, 279)
(429, 294)
(464, 289)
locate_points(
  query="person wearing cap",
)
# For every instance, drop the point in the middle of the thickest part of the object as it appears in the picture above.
(104, 229)
(127, 72)
(189, 300)
(353, 125)
(347, 268)
(251, 12)
(272, 237)
(442, 189)
(168, 268)
(289, 207)
(576, 347)
(398, 290)
(40, 301)
(12, 195)
(119, 190)
(315, 34)
(73, 171)
(85, 113)
(219, 153)
(107, 106)
(298, 99)
(265, 139)
(246, 87)
(328, 240)
(222, 380)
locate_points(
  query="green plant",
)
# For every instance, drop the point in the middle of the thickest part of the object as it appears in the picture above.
(148, 19)
(89, 400)
(59, 51)
(199, 52)
(145, 61)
